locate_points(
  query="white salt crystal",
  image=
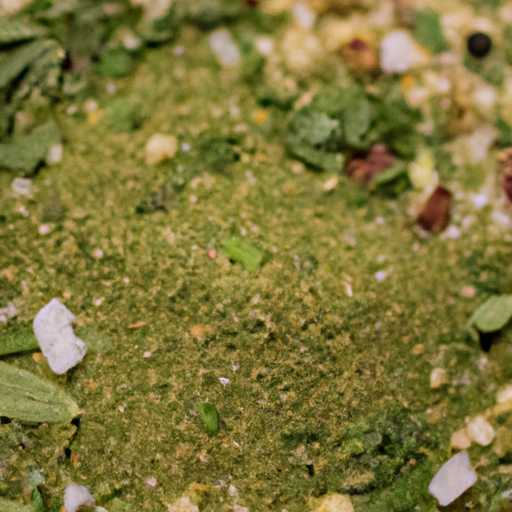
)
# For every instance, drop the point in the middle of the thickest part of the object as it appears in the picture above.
(224, 381)
(224, 47)
(55, 154)
(21, 186)
(454, 477)
(480, 431)
(480, 200)
(504, 394)
(396, 52)
(380, 275)
(452, 232)
(60, 346)
(75, 496)
(303, 15)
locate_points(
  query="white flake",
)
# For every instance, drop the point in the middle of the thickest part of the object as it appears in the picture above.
(60, 346)
(396, 52)
(480, 431)
(21, 186)
(380, 275)
(224, 47)
(454, 478)
(224, 381)
(75, 496)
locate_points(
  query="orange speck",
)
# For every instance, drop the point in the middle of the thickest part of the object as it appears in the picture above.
(74, 460)
(407, 81)
(212, 253)
(199, 330)
(38, 357)
(260, 116)
(137, 325)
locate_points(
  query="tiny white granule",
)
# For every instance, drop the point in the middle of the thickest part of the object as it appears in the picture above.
(264, 45)
(60, 346)
(224, 47)
(178, 50)
(97, 253)
(396, 52)
(485, 97)
(504, 395)
(454, 478)
(146, 354)
(55, 154)
(75, 496)
(224, 381)
(151, 481)
(111, 88)
(232, 490)
(303, 15)
(44, 229)
(480, 200)
(452, 232)
(380, 275)
(21, 186)
(500, 218)
(480, 431)
(479, 142)
(160, 147)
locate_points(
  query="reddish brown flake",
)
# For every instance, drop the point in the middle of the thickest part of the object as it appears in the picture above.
(361, 57)
(505, 159)
(365, 169)
(251, 3)
(435, 215)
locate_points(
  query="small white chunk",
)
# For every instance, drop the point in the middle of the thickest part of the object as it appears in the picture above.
(480, 431)
(21, 186)
(75, 496)
(55, 154)
(60, 346)
(504, 394)
(303, 15)
(224, 47)
(454, 477)
(160, 147)
(396, 52)
(380, 275)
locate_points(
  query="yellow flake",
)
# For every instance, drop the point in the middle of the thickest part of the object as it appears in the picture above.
(260, 116)
(94, 116)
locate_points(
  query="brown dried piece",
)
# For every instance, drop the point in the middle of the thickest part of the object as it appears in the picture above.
(365, 169)
(505, 159)
(361, 57)
(435, 215)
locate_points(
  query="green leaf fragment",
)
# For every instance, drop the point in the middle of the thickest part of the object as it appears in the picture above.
(245, 253)
(493, 315)
(25, 153)
(12, 32)
(25, 397)
(210, 418)
(18, 341)
(429, 31)
(14, 506)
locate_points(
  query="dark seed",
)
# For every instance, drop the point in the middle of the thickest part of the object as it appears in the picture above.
(479, 45)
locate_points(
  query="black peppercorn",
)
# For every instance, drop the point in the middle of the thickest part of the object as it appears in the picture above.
(479, 45)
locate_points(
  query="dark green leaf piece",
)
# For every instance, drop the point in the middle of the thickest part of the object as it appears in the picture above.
(12, 32)
(429, 31)
(245, 253)
(210, 418)
(493, 315)
(22, 340)
(13, 63)
(25, 153)
(14, 506)
(25, 397)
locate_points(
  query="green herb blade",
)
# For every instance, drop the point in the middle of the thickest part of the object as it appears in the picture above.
(493, 315)
(12, 32)
(210, 418)
(18, 341)
(25, 397)
(239, 250)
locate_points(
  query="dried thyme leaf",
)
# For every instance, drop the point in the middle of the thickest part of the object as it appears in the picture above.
(12, 32)
(245, 253)
(18, 341)
(25, 397)
(27, 152)
(14, 506)
(493, 315)
(210, 418)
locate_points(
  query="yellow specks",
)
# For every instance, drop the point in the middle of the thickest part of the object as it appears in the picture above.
(260, 115)
(418, 349)
(198, 330)
(94, 117)
(421, 170)
(407, 81)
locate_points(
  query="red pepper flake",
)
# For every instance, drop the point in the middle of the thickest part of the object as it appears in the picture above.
(435, 215)
(365, 169)
(505, 159)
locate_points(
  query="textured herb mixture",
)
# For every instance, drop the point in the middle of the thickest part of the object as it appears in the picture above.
(262, 319)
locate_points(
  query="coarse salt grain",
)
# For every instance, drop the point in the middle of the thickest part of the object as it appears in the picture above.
(454, 478)
(60, 346)
(380, 275)
(303, 15)
(21, 186)
(480, 200)
(224, 381)
(396, 52)
(437, 378)
(504, 394)
(44, 229)
(151, 481)
(146, 355)
(75, 496)
(97, 253)
(224, 47)
(480, 431)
